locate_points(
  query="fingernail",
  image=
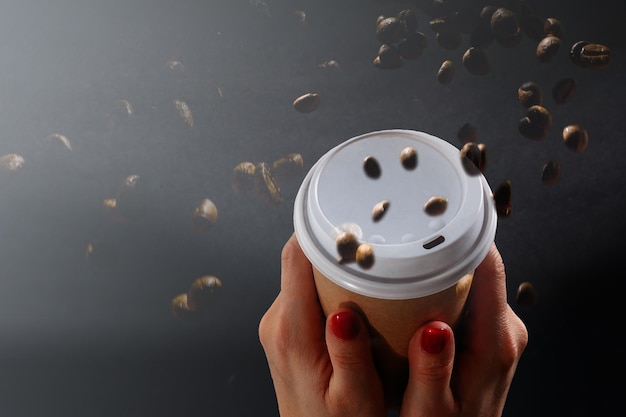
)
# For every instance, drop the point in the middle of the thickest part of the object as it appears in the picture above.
(434, 339)
(345, 325)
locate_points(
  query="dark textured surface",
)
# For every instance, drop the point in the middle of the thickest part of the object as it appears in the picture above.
(77, 340)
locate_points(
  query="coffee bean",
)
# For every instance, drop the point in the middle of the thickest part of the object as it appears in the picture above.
(467, 133)
(307, 103)
(575, 137)
(203, 292)
(365, 256)
(408, 21)
(379, 210)
(483, 157)
(204, 216)
(504, 23)
(530, 94)
(563, 90)
(371, 167)
(532, 26)
(547, 48)
(476, 61)
(412, 46)
(526, 294)
(408, 157)
(552, 26)
(436, 205)
(530, 130)
(265, 184)
(347, 244)
(180, 308)
(590, 55)
(539, 116)
(471, 158)
(502, 199)
(445, 74)
(510, 42)
(389, 30)
(388, 57)
(551, 172)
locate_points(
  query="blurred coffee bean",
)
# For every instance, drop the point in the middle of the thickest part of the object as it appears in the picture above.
(476, 61)
(563, 90)
(575, 137)
(307, 103)
(57, 137)
(590, 55)
(365, 256)
(347, 244)
(109, 207)
(539, 116)
(120, 112)
(330, 65)
(287, 167)
(389, 30)
(265, 185)
(11, 162)
(412, 46)
(504, 23)
(445, 73)
(175, 67)
(551, 172)
(242, 179)
(380, 209)
(526, 294)
(184, 112)
(408, 158)
(300, 17)
(547, 48)
(204, 216)
(471, 158)
(467, 133)
(371, 167)
(408, 21)
(502, 199)
(530, 130)
(180, 308)
(388, 57)
(510, 42)
(483, 157)
(203, 293)
(530, 94)
(131, 198)
(554, 27)
(533, 27)
(436, 205)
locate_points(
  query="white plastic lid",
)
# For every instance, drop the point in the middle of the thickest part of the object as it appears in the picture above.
(415, 254)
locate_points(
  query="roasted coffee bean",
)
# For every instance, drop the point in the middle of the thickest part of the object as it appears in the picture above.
(502, 199)
(575, 137)
(412, 46)
(532, 26)
(530, 94)
(408, 21)
(62, 139)
(547, 48)
(441, 24)
(471, 158)
(347, 244)
(365, 256)
(242, 179)
(476, 61)
(379, 210)
(204, 216)
(307, 103)
(389, 30)
(184, 112)
(511, 41)
(445, 73)
(330, 65)
(467, 133)
(504, 23)
(539, 116)
(552, 26)
(526, 294)
(530, 130)
(287, 167)
(563, 90)
(371, 167)
(551, 172)
(265, 185)
(483, 156)
(450, 40)
(181, 310)
(590, 55)
(203, 292)
(388, 57)
(408, 158)
(11, 162)
(436, 205)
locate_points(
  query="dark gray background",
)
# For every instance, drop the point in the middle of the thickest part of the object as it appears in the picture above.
(82, 341)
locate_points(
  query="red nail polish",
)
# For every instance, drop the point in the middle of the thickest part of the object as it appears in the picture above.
(434, 339)
(345, 325)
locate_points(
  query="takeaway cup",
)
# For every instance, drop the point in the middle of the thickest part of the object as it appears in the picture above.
(423, 261)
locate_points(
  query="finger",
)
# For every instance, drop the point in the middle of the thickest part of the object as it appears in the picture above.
(431, 358)
(354, 380)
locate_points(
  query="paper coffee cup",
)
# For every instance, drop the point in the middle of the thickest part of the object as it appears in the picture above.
(423, 262)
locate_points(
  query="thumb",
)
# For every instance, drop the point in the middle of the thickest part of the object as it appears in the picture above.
(354, 376)
(431, 358)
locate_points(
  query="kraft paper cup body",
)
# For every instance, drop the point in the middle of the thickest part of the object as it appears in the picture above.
(423, 264)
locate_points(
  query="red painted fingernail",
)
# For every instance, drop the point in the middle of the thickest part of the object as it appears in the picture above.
(345, 325)
(434, 339)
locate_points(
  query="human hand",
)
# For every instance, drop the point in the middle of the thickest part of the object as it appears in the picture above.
(473, 377)
(320, 367)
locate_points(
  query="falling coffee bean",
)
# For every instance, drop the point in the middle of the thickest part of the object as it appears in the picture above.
(467, 133)
(347, 244)
(445, 73)
(483, 157)
(471, 158)
(265, 184)
(547, 48)
(436, 205)
(476, 61)
(243, 179)
(530, 130)
(180, 308)
(526, 294)
(590, 55)
(408, 158)
(504, 23)
(203, 292)
(411, 47)
(554, 27)
(307, 103)
(563, 90)
(389, 30)
(502, 199)
(388, 57)
(371, 167)
(379, 210)
(575, 137)
(408, 21)
(204, 216)
(551, 172)
(530, 94)
(539, 116)
(365, 256)
(11, 162)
